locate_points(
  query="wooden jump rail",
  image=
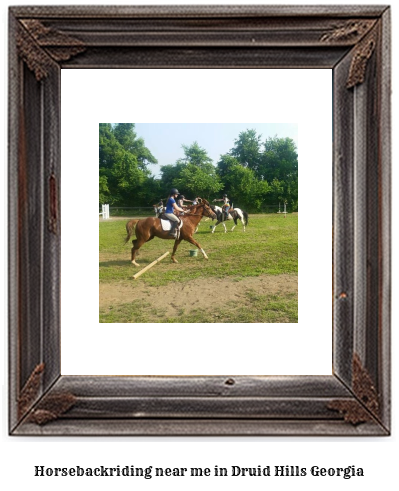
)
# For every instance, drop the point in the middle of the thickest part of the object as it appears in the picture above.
(149, 266)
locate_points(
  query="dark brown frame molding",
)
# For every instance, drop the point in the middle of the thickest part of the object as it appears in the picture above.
(352, 41)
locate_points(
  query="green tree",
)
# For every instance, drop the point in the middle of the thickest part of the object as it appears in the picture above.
(244, 189)
(194, 174)
(195, 155)
(248, 149)
(127, 137)
(274, 170)
(123, 160)
(154, 191)
(199, 181)
(225, 169)
(280, 167)
(279, 159)
(169, 174)
(109, 146)
(104, 195)
(226, 164)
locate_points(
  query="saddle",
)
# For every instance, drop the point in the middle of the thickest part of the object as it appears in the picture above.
(166, 223)
(225, 215)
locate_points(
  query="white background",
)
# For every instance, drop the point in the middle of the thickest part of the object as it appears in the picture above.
(378, 456)
(275, 96)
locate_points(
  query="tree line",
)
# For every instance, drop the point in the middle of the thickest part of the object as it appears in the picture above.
(254, 173)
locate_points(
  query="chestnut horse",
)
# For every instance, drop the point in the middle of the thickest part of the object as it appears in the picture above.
(148, 228)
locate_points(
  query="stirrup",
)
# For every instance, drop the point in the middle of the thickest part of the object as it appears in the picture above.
(172, 231)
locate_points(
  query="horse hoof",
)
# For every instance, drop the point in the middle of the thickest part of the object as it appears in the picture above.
(174, 260)
(135, 264)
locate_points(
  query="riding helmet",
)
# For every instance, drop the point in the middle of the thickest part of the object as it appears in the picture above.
(174, 191)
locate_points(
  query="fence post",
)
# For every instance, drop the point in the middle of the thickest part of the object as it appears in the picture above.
(105, 212)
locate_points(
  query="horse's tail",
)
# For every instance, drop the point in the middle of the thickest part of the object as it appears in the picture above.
(245, 217)
(130, 226)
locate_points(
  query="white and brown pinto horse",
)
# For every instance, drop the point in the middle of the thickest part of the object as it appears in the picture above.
(235, 214)
(148, 228)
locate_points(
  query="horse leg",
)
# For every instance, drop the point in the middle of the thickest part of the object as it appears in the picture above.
(217, 223)
(135, 250)
(177, 242)
(235, 224)
(242, 219)
(137, 243)
(194, 242)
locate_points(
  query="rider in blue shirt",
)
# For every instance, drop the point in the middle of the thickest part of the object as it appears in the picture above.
(170, 207)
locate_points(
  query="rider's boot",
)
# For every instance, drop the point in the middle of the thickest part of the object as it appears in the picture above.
(172, 231)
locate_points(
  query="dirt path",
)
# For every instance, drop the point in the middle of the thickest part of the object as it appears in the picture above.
(204, 291)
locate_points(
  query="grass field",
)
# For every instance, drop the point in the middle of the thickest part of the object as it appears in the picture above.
(250, 270)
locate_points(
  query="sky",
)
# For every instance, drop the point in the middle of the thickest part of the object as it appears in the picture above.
(165, 140)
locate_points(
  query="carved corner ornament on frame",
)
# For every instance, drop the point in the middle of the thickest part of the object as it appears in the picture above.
(353, 42)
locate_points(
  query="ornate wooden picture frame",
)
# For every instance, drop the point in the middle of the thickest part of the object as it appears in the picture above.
(352, 41)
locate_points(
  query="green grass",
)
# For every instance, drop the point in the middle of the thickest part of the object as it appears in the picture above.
(269, 246)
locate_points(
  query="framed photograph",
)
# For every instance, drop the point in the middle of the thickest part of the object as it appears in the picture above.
(353, 44)
(222, 267)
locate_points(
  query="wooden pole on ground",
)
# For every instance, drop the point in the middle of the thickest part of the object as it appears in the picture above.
(149, 266)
